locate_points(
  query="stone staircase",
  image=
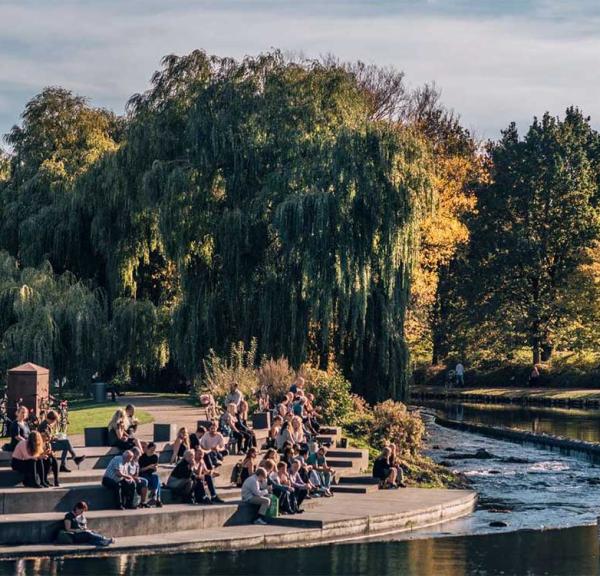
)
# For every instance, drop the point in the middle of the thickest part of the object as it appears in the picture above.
(34, 516)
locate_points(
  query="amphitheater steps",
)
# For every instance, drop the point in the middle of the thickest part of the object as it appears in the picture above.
(42, 527)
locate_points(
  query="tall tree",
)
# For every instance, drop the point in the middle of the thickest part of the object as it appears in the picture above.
(537, 219)
(290, 213)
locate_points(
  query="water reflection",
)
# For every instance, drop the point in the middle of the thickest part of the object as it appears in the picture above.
(569, 552)
(566, 422)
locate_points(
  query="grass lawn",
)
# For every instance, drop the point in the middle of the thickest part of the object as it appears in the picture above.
(86, 414)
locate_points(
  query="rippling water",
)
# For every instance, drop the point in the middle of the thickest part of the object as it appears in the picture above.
(568, 422)
(525, 487)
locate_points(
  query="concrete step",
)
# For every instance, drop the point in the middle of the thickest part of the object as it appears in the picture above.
(43, 527)
(63, 498)
(365, 480)
(346, 453)
(342, 463)
(354, 488)
(96, 457)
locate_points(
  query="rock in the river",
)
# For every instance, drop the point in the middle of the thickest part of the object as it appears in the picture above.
(593, 481)
(498, 510)
(450, 450)
(481, 454)
(494, 472)
(515, 460)
(498, 524)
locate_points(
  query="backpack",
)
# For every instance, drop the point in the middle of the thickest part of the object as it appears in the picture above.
(236, 474)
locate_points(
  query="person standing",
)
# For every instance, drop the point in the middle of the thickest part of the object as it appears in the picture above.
(459, 372)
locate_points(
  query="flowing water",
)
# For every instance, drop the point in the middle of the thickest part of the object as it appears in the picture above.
(548, 502)
(568, 422)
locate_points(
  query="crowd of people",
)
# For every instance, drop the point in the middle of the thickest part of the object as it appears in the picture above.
(34, 452)
(289, 469)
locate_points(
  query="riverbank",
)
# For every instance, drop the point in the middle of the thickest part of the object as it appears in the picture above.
(358, 509)
(343, 518)
(571, 397)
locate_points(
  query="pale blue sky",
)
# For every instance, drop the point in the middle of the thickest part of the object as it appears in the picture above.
(495, 61)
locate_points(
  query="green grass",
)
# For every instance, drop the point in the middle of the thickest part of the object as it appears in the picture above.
(86, 414)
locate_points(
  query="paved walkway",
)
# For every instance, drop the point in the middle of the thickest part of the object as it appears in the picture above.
(344, 517)
(164, 409)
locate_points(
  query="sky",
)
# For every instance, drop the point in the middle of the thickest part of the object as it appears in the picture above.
(495, 61)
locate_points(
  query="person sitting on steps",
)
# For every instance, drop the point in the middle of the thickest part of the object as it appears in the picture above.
(131, 422)
(117, 479)
(274, 432)
(49, 462)
(148, 463)
(213, 445)
(384, 471)
(318, 461)
(141, 484)
(249, 464)
(76, 526)
(244, 429)
(48, 426)
(118, 435)
(255, 491)
(196, 436)
(205, 476)
(180, 445)
(27, 460)
(235, 395)
(19, 428)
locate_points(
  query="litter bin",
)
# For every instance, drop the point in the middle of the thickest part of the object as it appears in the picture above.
(99, 392)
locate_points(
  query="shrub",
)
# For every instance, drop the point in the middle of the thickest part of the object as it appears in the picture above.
(220, 372)
(392, 422)
(333, 399)
(358, 423)
(277, 376)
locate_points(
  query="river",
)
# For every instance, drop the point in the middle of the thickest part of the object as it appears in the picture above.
(548, 501)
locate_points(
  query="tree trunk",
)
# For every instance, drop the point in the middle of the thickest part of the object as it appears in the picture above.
(547, 350)
(536, 351)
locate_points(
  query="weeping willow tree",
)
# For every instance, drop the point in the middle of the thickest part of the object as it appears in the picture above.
(55, 321)
(290, 214)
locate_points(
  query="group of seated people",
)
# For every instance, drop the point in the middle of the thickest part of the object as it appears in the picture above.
(387, 468)
(196, 457)
(33, 451)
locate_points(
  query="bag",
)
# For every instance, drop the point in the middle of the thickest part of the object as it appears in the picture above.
(236, 474)
(273, 510)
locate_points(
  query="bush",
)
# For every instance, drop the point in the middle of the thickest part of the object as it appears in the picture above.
(220, 372)
(277, 376)
(392, 422)
(333, 399)
(359, 422)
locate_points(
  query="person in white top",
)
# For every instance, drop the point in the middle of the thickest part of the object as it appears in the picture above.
(255, 491)
(459, 371)
(235, 395)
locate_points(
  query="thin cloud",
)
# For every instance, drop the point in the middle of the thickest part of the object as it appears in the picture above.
(495, 61)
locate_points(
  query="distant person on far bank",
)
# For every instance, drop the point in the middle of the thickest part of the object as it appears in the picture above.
(459, 372)
(534, 377)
